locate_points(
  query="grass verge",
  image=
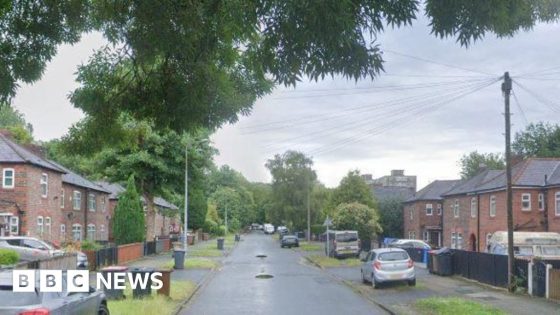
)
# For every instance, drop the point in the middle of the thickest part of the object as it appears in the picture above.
(454, 306)
(194, 263)
(328, 262)
(156, 304)
(307, 247)
(205, 252)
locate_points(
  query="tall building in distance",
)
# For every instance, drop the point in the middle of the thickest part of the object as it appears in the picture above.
(395, 185)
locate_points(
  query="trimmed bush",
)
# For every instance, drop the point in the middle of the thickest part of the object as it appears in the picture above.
(90, 245)
(8, 257)
(220, 231)
(210, 226)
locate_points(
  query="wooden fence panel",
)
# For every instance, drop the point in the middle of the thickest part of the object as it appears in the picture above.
(554, 284)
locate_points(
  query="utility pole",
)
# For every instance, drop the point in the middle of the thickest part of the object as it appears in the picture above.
(186, 197)
(308, 210)
(226, 219)
(506, 89)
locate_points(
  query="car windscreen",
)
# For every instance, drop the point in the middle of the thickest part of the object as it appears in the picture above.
(289, 237)
(10, 298)
(550, 250)
(392, 256)
(347, 237)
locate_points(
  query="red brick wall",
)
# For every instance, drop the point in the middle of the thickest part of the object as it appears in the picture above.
(420, 218)
(553, 219)
(130, 252)
(465, 224)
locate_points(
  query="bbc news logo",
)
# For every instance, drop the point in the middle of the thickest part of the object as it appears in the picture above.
(79, 280)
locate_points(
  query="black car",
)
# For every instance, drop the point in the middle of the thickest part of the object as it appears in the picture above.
(289, 241)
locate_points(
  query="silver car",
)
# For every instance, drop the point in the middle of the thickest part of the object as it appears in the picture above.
(31, 249)
(53, 303)
(388, 265)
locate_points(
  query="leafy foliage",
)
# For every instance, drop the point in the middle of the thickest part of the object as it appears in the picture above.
(8, 257)
(14, 121)
(352, 188)
(391, 217)
(538, 140)
(358, 217)
(292, 181)
(128, 220)
(471, 163)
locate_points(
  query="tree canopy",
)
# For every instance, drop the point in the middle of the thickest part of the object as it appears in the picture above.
(471, 163)
(358, 217)
(352, 188)
(537, 140)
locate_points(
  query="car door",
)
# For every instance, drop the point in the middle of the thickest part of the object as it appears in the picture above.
(35, 249)
(368, 266)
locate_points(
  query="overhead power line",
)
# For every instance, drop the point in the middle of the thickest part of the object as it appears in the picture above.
(520, 108)
(552, 105)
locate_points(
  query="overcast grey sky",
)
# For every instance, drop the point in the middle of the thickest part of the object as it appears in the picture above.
(419, 116)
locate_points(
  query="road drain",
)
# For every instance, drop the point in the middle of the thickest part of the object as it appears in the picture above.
(264, 276)
(261, 256)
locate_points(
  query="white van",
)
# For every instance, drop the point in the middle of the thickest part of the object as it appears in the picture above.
(268, 229)
(526, 244)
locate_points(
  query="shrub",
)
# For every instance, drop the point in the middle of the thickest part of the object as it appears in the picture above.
(90, 245)
(8, 257)
(219, 231)
(210, 226)
(318, 229)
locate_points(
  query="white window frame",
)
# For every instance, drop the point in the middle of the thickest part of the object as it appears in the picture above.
(411, 213)
(473, 207)
(439, 209)
(426, 236)
(541, 201)
(62, 196)
(526, 198)
(492, 209)
(103, 203)
(77, 196)
(40, 228)
(456, 208)
(14, 223)
(48, 222)
(557, 204)
(13, 178)
(44, 182)
(488, 237)
(102, 228)
(92, 202)
(78, 229)
(91, 228)
(63, 232)
(430, 207)
(459, 241)
(453, 240)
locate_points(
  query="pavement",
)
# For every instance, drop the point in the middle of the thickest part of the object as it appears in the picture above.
(399, 298)
(296, 287)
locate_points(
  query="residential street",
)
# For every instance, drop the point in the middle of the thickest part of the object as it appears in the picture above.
(296, 287)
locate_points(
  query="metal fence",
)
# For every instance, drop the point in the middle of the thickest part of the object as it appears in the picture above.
(149, 248)
(106, 256)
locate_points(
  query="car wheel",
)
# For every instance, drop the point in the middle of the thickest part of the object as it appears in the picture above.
(374, 283)
(103, 310)
(412, 282)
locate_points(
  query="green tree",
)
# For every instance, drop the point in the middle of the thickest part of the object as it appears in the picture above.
(471, 163)
(292, 181)
(128, 220)
(262, 195)
(14, 121)
(358, 217)
(537, 140)
(391, 217)
(238, 204)
(352, 188)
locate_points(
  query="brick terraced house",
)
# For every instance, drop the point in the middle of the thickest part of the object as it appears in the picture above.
(476, 208)
(423, 212)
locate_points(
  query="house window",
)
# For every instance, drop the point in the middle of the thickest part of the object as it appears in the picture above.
(76, 232)
(459, 241)
(526, 202)
(426, 236)
(91, 232)
(8, 178)
(453, 240)
(92, 203)
(62, 198)
(103, 204)
(473, 207)
(44, 185)
(492, 206)
(40, 225)
(541, 202)
(456, 208)
(411, 213)
(14, 225)
(429, 209)
(439, 209)
(77, 200)
(102, 228)
(488, 237)
(48, 225)
(557, 208)
(63, 232)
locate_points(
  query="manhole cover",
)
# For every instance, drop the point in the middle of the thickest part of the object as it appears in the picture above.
(261, 256)
(264, 276)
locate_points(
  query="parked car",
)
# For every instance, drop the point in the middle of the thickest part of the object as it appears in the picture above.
(409, 243)
(30, 249)
(14, 303)
(343, 244)
(268, 229)
(281, 229)
(526, 244)
(388, 265)
(289, 241)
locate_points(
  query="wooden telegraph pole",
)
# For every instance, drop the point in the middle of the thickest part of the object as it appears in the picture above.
(506, 89)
